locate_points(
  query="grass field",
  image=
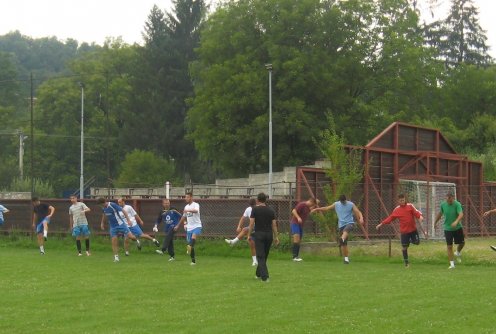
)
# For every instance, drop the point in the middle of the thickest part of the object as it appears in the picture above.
(63, 293)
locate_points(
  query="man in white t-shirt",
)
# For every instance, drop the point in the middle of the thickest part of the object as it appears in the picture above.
(242, 231)
(192, 224)
(135, 229)
(79, 224)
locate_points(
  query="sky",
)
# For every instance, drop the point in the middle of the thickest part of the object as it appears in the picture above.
(94, 20)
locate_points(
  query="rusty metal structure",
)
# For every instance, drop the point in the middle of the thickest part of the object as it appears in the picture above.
(408, 153)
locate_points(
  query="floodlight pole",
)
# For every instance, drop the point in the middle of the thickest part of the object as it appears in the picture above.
(269, 68)
(81, 178)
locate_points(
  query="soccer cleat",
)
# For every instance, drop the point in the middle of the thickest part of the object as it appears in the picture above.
(116, 259)
(493, 248)
(346, 262)
(188, 249)
(254, 264)
(171, 259)
(88, 253)
(297, 259)
(407, 265)
(79, 254)
(193, 263)
(158, 251)
(126, 253)
(42, 252)
(138, 244)
(451, 267)
(157, 243)
(45, 238)
(229, 241)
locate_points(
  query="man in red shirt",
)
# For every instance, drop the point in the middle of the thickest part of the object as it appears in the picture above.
(298, 216)
(406, 213)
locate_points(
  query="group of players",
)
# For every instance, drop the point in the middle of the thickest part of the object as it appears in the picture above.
(124, 221)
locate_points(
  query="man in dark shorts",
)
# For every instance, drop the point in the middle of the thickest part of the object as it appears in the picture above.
(346, 211)
(298, 216)
(42, 213)
(263, 222)
(406, 213)
(452, 211)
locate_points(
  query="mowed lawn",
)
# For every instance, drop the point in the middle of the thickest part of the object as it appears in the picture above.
(63, 293)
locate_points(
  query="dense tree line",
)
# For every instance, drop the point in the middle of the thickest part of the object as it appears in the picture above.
(194, 97)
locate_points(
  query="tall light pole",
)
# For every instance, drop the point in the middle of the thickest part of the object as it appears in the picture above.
(269, 68)
(81, 178)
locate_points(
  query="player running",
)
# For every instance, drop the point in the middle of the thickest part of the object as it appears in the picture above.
(242, 231)
(171, 218)
(345, 211)
(117, 224)
(192, 225)
(42, 213)
(79, 224)
(407, 215)
(134, 227)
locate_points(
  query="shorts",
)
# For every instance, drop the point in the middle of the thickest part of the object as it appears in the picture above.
(39, 227)
(456, 236)
(297, 229)
(195, 231)
(1, 221)
(119, 230)
(412, 237)
(136, 230)
(347, 228)
(80, 230)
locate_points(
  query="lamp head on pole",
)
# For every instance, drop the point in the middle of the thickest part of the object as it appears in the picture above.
(268, 67)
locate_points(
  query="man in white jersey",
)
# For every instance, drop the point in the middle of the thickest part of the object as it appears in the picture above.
(345, 210)
(242, 231)
(79, 224)
(192, 224)
(135, 229)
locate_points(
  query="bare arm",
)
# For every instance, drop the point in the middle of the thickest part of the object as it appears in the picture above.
(438, 217)
(358, 214)
(487, 213)
(52, 211)
(457, 220)
(140, 221)
(275, 235)
(102, 226)
(71, 222)
(324, 208)
(296, 215)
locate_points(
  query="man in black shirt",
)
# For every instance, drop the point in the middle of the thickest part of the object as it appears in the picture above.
(263, 222)
(42, 213)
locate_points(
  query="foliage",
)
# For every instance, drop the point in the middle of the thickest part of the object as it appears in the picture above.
(145, 169)
(346, 172)
(42, 188)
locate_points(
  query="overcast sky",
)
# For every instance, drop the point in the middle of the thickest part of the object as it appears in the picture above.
(94, 20)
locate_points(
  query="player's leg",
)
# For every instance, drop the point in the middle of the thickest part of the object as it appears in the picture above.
(345, 230)
(115, 248)
(170, 245)
(149, 237)
(459, 239)
(253, 252)
(194, 235)
(267, 242)
(86, 234)
(405, 243)
(297, 232)
(45, 227)
(240, 236)
(261, 257)
(40, 239)
(449, 236)
(78, 245)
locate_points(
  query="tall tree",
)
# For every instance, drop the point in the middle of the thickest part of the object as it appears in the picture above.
(162, 81)
(460, 38)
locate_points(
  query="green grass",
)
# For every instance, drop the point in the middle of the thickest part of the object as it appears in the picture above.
(63, 293)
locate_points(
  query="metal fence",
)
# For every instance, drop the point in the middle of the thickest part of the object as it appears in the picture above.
(220, 216)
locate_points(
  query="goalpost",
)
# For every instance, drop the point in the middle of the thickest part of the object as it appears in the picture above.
(427, 196)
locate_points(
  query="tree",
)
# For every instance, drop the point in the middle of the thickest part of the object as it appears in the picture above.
(145, 169)
(460, 38)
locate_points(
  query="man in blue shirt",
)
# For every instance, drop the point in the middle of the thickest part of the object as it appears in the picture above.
(118, 225)
(345, 210)
(2, 211)
(170, 217)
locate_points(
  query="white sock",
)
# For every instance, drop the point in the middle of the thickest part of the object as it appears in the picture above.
(116, 257)
(452, 263)
(154, 240)
(45, 233)
(42, 249)
(457, 253)
(346, 259)
(254, 257)
(235, 240)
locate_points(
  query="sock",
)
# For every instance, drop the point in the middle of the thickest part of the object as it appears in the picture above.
(452, 263)
(42, 249)
(235, 240)
(78, 245)
(87, 243)
(254, 258)
(405, 255)
(296, 250)
(154, 240)
(45, 233)
(346, 259)
(457, 253)
(192, 243)
(137, 241)
(193, 255)
(116, 257)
